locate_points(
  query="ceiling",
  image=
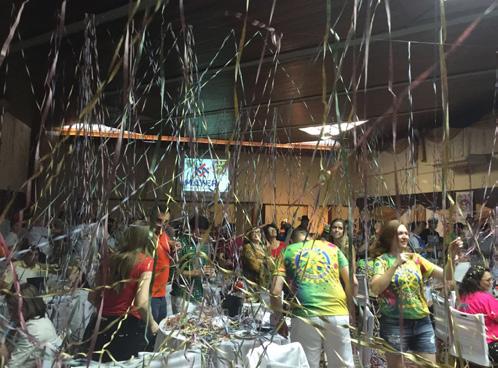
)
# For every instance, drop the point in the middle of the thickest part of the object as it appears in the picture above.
(283, 74)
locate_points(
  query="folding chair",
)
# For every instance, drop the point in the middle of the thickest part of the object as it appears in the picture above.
(367, 318)
(362, 297)
(276, 356)
(441, 318)
(470, 337)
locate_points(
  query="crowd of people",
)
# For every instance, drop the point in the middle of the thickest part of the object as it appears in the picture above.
(310, 278)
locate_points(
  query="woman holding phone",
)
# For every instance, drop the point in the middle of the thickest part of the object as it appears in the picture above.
(399, 281)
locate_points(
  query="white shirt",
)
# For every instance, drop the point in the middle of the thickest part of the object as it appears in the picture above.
(23, 273)
(45, 344)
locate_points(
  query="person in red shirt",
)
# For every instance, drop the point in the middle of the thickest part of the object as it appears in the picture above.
(4, 249)
(274, 246)
(126, 316)
(159, 217)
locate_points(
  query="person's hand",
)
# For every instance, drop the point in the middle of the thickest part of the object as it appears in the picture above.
(209, 271)
(154, 328)
(175, 245)
(454, 246)
(402, 258)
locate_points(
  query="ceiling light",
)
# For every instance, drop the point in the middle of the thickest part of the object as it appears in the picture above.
(91, 127)
(322, 142)
(332, 130)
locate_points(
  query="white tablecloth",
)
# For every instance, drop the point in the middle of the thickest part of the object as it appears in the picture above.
(223, 352)
(230, 352)
(191, 358)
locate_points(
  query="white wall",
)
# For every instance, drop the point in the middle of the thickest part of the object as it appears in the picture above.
(468, 164)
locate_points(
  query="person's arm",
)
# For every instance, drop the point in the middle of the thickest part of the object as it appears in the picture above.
(276, 289)
(142, 301)
(251, 260)
(187, 266)
(184, 266)
(191, 273)
(94, 296)
(350, 290)
(379, 283)
(438, 272)
(276, 318)
(277, 286)
(491, 307)
(4, 354)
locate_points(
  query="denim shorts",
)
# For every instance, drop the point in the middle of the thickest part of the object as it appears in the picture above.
(416, 336)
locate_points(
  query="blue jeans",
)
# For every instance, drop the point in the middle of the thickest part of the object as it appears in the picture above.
(417, 335)
(159, 308)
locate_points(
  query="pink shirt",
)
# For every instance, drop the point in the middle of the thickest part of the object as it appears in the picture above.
(481, 302)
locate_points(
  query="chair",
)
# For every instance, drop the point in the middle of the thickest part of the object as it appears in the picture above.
(367, 318)
(441, 318)
(367, 329)
(362, 297)
(469, 337)
(460, 271)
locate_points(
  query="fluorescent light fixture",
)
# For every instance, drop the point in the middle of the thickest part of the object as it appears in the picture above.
(86, 128)
(332, 130)
(322, 142)
(91, 128)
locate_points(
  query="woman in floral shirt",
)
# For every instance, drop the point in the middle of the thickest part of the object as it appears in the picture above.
(399, 281)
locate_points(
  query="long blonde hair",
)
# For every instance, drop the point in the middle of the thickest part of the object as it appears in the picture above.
(137, 241)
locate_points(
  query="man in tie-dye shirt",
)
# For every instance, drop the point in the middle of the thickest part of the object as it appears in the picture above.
(319, 304)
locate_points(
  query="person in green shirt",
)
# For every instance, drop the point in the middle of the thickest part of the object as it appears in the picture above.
(314, 270)
(399, 281)
(192, 264)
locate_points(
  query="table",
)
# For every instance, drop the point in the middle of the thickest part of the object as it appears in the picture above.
(225, 344)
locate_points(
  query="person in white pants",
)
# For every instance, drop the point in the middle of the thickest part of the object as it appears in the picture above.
(319, 308)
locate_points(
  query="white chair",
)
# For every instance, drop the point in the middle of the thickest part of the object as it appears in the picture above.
(367, 317)
(469, 340)
(362, 297)
(276, 356)
(441, 318)
(367, 329)
(460, 271)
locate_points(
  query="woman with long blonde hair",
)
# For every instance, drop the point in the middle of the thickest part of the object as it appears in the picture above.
(126, 322)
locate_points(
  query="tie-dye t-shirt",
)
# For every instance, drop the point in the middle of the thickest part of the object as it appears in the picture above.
(312, 271)
(406, 289)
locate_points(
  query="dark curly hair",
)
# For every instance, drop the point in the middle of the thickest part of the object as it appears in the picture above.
(266, 229)
(472, 279)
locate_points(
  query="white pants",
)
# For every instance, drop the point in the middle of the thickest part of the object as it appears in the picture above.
(336, 340)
